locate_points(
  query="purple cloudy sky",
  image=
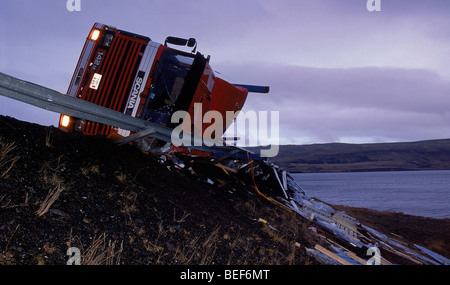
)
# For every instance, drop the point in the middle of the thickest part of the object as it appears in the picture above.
(337, 72)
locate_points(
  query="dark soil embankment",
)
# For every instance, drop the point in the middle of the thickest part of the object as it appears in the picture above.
(120, 206)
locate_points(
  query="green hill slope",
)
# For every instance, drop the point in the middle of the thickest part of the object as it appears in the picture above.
(340, 157)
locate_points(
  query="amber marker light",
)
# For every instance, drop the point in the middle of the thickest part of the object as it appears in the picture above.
(65, 121)
(95, 34)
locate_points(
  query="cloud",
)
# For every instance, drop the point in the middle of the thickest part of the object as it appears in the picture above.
(371, 104)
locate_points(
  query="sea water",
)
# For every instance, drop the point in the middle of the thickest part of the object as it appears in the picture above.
(419, 193)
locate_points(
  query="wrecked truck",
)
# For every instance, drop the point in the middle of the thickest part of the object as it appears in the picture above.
(136, 76)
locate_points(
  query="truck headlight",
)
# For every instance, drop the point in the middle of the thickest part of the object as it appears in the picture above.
(95, 35)
(65, 121)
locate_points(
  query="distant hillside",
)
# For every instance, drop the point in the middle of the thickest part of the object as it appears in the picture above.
(341, 157)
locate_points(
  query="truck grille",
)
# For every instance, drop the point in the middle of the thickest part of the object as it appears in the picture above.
(118, 69)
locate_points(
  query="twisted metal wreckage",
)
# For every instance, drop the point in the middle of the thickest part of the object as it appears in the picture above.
(126, 87)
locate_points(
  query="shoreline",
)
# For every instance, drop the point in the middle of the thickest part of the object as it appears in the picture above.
(429, 232)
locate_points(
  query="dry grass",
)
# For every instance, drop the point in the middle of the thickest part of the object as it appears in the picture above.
(7, 160)
(51, 176)
(122, 177)
(170, 246)
(89, 170)
(101, 252)
(185, 253)
(52, 196)
(48, 136)
(129, 206)
(287, 233)
(7, 256)
(193, 251)
(181, 219)
(153, 246)
(209, 247)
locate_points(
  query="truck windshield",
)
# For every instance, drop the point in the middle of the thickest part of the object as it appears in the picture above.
(167, 82)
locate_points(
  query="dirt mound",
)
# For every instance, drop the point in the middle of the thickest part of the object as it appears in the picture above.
(121, 206)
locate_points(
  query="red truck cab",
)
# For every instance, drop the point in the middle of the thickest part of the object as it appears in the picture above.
(131, 74)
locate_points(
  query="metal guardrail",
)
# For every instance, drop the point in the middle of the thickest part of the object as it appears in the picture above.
(52, 100)
(55, 101)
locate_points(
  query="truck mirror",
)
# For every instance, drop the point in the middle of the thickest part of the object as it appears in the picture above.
(191, 42)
